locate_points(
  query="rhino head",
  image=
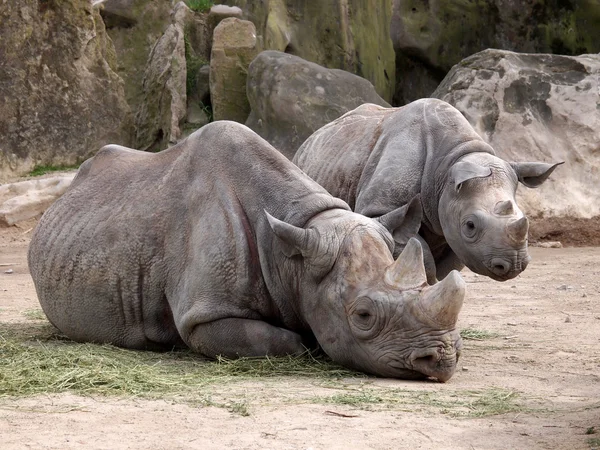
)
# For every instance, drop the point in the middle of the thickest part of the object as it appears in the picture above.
(479, 215)
(367, 311)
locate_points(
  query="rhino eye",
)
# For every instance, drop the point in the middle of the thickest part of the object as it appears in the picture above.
(363, 317)
(469, 227)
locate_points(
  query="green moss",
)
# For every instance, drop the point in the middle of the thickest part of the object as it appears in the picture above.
(199, 5)
(41, 170)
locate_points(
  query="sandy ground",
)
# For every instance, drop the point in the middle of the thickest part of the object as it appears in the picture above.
(547, 354)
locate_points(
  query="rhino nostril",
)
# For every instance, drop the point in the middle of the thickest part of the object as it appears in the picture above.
(500, 266)
(426, 360)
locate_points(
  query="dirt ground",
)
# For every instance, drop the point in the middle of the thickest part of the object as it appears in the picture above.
(546, 353)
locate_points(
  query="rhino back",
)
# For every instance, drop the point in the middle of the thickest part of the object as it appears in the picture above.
(144, 245)
(336, 154)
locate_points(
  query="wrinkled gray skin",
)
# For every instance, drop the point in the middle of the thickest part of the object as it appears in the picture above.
(223, 245)
(377, 159)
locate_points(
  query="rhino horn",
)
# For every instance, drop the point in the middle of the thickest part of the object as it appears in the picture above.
(408, 271)
(517, 230)
(442, 302)
(297, 240)
(504, 208)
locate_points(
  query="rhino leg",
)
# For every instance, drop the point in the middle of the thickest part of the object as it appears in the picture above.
(236, 337)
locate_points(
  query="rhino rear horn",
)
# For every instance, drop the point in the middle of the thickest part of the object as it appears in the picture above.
(441, 303)
(404, 222)
(297, 240)
(505, 208)
(408, 271)
(533, 174)
(518, 229)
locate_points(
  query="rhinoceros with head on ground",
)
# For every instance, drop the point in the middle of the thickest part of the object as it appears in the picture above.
(377, 159)
(223, 245)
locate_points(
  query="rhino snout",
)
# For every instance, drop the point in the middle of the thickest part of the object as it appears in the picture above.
(437, 362)
(505, 269)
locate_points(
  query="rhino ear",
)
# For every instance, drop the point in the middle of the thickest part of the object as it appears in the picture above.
(404, 222)
(463, 171)
(533, 174)
(295, 240)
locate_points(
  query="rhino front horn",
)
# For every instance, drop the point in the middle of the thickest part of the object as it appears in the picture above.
(442, 302)
(408, 271)
(518, 229)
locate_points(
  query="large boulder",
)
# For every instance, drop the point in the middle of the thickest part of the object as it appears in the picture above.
(61, 97)
(25, 200)
(233, 49)
(353, 35)
(537, 107)
(163, 109)
(134, 27)
(291, 98)
(429, 37)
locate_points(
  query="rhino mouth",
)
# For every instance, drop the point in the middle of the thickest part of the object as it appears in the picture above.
(503, 269)
(427, 369)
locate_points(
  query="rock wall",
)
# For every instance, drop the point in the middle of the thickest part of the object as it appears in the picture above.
(135, 26)
(353, 35)
(234, 47)
(163, 105)
(429, 37)
(61, 97)
(537, 107)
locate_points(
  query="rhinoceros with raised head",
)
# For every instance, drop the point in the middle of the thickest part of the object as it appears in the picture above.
(377, 159)
(223, 245)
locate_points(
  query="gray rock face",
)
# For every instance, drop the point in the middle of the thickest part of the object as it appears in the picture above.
(291, 98)
(61, 98)
(216, 15)
(161, 113)
(537, 107)
(134, 27)
(234, 47)
(429, 37)
(351, 35)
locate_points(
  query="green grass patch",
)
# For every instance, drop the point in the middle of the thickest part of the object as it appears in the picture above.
(477, 335)
(594, 442)
(42, 170)
(35, 314)
(36, 360)
(457, 404)
(357, 399)
(200, 5)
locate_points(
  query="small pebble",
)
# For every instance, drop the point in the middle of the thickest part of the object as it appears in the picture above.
(8, 271)
(512, 324)
(584, 295)
(568, 319)
(564, 287)
(465, 369)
